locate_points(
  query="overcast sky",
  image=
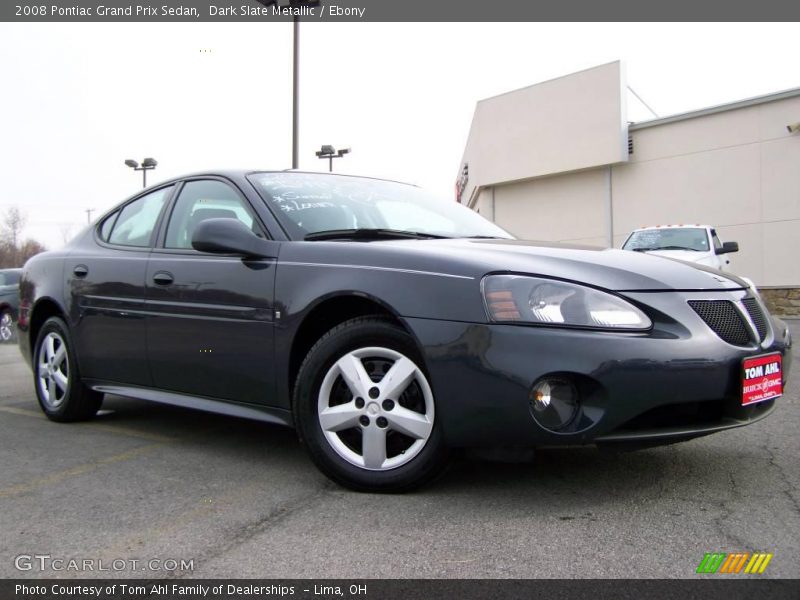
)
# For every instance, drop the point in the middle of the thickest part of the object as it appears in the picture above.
(78, 99)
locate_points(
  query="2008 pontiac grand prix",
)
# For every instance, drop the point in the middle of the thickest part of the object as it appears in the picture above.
(389, 327)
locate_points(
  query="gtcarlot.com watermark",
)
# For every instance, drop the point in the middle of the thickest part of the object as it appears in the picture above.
(48, 563)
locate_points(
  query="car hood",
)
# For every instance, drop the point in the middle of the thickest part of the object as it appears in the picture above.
(685, 255)
(618, 270)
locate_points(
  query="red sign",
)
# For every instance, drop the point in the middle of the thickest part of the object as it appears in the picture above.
(761, 378)
(461, 184)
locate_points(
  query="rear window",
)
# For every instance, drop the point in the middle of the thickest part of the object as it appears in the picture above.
(137, 220)
(107, 226)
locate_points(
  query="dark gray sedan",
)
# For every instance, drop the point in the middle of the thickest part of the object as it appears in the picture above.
(389, 327)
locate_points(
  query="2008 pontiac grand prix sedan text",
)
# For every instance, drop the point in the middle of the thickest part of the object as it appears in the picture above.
(388, 327)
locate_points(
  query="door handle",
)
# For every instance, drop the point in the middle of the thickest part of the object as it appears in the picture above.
(81, 271)
(163, 278)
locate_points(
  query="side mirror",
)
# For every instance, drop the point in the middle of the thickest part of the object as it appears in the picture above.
(231, 236)
(727, 248)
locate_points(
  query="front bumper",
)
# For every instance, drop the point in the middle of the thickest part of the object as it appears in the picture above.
(678, 381)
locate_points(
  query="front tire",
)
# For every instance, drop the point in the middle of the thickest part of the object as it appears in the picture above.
(61, 394)
(365, 409)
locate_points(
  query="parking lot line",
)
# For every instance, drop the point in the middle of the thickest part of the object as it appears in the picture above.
(125, 431)
(21, 411)
(53, 478)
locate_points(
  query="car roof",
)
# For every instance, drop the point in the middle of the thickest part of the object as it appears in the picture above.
(232, 174)
(681, 226)
(241, 173)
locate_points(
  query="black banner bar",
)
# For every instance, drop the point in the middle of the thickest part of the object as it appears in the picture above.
(412, 589)
(389, 11)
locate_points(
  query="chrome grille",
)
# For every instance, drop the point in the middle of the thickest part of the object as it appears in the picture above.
(723, 318)
(757, 315)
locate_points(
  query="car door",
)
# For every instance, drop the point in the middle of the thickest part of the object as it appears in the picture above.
(210, 317)
(105, 282)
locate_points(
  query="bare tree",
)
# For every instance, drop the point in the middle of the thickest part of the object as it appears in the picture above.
(13, 251)
(66, 231)
(13, 223)
(8, 255)
(28, 249)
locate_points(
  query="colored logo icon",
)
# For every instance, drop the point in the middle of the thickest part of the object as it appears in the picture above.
(734, 563)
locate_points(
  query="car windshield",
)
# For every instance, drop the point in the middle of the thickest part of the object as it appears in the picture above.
(668, 238)
(308, 204)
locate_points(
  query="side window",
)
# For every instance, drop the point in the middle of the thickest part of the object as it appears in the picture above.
(107, 226)
(136, 222)
(201, 200)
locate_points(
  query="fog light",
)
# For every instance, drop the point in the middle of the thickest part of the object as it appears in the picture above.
(554, 403)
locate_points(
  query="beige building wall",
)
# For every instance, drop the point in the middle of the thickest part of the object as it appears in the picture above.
(537, 209)
(547, 128)
(737, 169)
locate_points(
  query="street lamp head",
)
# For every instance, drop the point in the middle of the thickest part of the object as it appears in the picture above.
(329, 152)
(149, 162)
(131, 163)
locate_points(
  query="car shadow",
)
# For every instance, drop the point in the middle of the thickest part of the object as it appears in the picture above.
(575, 477)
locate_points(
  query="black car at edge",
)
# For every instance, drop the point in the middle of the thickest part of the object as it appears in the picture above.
(9, 303)
(387, 327)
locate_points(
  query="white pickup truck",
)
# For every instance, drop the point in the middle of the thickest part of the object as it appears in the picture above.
(692, 243)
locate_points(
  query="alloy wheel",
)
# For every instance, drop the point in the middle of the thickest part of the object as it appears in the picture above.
(376, 408)
(6, 327)
(53, 370)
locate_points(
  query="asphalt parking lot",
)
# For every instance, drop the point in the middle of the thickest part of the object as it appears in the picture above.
(240, 499)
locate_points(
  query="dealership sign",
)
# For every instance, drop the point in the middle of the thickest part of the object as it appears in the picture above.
(461, 182)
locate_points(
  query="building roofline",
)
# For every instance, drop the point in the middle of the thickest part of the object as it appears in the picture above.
(720, 108)
(532, 85)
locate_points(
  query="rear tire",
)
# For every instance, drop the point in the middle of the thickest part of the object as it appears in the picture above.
(365, 409)
(56, 379)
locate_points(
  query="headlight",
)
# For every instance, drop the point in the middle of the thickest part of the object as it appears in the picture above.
(515, 298)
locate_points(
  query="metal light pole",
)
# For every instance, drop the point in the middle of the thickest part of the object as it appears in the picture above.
(330, 153)
(148, 164)
(296, 78)
(89, 212)
(295, 93)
